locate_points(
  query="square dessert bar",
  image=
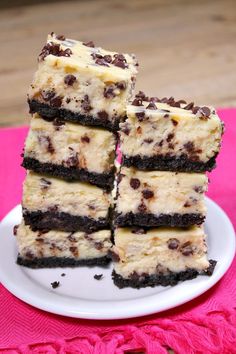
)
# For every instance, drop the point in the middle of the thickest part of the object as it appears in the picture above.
(162, 256)
(39, 249)
(51, 203)
(155, 198)
(71, 151)
(165, 134)
(82, 83)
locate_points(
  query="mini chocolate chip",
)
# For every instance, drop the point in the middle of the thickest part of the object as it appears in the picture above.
(60, 37)
(161, 143)
(91, 207)
(166, 115)
(187, 204)
(151, 106)
(85, 104)
(101, 61)
(137, 102)
(98, 276)
(121, 85)
(15, 228)
(174, 122)
(140, 116)
(109, 91)
(103, 115)
(108, 58)
(170, 137)
(147, 193)
(56, 101)
(114, 256)
(47, 95)
(148, 141)
(89, 44)
(29, 255)
(63, 274)
(72, 161)
(47, 142)
(69, 79)
(55, 284)
(138, 231)
(142, 208)
(68, 100)
(186, 249)
(85, 139)
(98, 245)
(173, 243)
(134, 183)
(189, 106)
(74, 250)
(198, 189)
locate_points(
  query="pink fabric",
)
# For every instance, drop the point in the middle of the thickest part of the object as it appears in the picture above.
(206, 324)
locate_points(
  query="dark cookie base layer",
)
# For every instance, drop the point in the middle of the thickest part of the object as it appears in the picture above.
(142, 281)
(167, 163)
(150, 220)
(52, 262)
(104, 180)
(50, 113)
(50, 220)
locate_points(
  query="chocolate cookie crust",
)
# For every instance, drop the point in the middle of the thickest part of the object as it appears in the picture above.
(50, 113)
(103, 180)
(57, 220)
(150, 220)
(169, 163)
(140, 281)
(52, 262)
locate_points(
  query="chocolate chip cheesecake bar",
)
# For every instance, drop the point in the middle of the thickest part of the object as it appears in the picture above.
(70, 151)
(40, 249)
(154, 198)
(165, 134)
(51, 203)
(82, 83)
(162, 256)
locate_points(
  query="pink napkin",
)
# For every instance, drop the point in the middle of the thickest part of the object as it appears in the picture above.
(206, 324)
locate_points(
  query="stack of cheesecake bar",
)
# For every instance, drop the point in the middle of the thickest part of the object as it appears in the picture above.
(167, 146)
(78, 97)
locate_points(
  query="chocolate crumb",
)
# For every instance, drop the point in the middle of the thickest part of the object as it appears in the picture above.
(147, 193)
(15, 228)
(173, 243)
(103, 115)
(134, 183)
(63, 274)
(56, 102)
(98, 276)
(85, 139)
(211, 267)
(69, 80)
(55, 284)
(89, 44)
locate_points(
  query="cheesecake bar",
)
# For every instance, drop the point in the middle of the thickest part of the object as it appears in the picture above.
(70, 151)
(155, 198)
(51, 203)
(39, 249)
(165, 134)
(161, 256)
(82, 83)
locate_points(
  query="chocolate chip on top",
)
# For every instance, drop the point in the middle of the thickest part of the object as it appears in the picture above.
(89, 44)
(135, 183)
(151, 106)
(69, 79)
(120, 61)
(60, 37)
(54, 49)
(137, 102)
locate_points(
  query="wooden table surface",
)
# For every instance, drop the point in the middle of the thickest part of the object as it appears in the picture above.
(185, 48)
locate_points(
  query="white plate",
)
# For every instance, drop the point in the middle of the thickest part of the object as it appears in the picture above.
(80, 295)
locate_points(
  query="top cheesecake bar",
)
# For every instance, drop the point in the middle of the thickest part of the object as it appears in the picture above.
(82, 83)
(169, 135)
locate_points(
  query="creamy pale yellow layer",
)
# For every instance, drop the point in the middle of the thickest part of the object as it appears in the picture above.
(75, 198)
(91, 79)
(71, 144)
(160, 250)
(171, 130)
(161, 192)
(78, 245)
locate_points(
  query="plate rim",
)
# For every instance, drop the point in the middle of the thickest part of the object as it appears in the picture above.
(133, 312)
